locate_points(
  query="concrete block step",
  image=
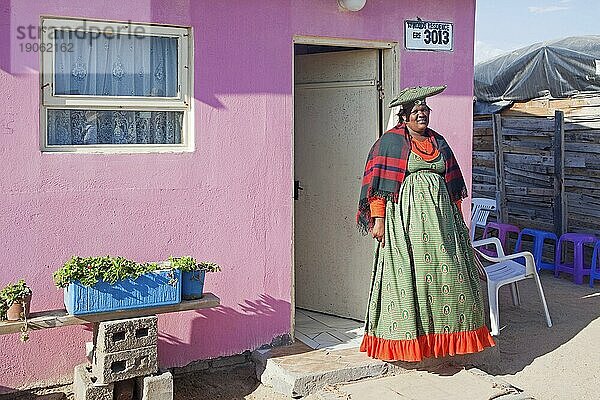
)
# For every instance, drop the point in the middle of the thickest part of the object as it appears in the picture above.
(298, 370)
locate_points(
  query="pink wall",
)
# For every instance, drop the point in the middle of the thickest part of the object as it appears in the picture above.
(229, 201)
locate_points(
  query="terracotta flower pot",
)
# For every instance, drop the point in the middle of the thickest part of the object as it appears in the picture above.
(16, 311)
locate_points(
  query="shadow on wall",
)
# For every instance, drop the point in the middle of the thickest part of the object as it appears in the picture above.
(215, 327)
(238, 60)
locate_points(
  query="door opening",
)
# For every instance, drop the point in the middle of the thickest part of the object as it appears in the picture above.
(339, 111)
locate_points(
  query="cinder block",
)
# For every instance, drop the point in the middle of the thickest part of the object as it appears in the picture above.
(122, 365)
(126, 334)
(157, 387)
(124, 390)
(89, 351)
(85, 386)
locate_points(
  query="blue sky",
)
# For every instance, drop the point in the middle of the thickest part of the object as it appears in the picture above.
(505, 25)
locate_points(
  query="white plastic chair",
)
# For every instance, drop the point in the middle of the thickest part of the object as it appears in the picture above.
(506, 271)
(480, 210)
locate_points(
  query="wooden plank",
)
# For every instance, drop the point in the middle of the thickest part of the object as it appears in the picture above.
(490, 180)
(517, 159)
(582, 111)
(60, 318)
(587, 211)
(582, 125)
(531, 124)
(583, 200)
(527, 133)
(485, 165)
(560, 200)
(583, 190)
(484, 155)
(482, 123)
(574, 160)
(583, 136)
(586, 173)
(522, 205)
(544, 215)
(542, 181)
(484, 188)
(583, 148)
(538, 181)
(531, 223)
(487, 131)
(483, 145)
(582, 182)
(544, 107)
(483, 170)
(499, 157)
(534, 169)
(527, 148)
(522, 191)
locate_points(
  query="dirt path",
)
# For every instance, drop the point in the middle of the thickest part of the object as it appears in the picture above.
(235, 384)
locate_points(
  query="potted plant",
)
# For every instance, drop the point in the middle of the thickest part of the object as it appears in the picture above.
(101, 284)
(193, 274)
(15, 300)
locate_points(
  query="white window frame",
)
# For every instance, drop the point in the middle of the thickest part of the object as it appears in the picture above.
(183, 101)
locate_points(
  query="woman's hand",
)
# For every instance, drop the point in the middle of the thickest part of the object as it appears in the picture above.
(379, 231)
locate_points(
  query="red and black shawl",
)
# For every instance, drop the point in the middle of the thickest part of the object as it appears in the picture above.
(386, 168)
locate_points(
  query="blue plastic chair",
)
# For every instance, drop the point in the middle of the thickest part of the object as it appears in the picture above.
(539, 238)
(595, 269)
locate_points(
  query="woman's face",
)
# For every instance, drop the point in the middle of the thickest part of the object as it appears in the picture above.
(418, 119)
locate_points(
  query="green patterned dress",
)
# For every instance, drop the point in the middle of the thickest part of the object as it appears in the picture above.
(425, 296)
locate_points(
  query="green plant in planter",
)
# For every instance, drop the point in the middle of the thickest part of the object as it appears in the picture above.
(192, 275)
(91, 270)
(188, 264)
(11, 294)
(15, 293)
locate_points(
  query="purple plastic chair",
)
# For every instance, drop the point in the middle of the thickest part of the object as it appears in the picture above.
(595, 269)
(577, 269)
(503, 231)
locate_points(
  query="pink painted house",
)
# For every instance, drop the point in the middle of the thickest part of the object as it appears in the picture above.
(188, 139)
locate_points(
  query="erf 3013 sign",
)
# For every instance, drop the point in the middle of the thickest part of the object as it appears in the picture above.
(428, 35)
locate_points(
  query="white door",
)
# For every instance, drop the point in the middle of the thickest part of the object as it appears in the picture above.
(336, 114)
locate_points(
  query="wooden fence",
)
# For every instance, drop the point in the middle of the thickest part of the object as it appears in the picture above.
(543, 170)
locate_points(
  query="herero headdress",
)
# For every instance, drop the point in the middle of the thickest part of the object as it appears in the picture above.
(415, 95)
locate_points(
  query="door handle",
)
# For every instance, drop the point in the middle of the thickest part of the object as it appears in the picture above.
(297, 188)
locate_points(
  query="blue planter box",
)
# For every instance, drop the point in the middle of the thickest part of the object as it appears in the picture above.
(192, 284)
(157, 288)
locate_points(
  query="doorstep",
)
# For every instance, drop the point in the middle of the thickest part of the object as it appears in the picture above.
(298, 370)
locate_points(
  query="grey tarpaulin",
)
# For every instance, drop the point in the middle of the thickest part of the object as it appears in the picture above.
(558, 68)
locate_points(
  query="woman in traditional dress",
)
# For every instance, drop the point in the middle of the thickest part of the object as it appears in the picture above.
(425, 298)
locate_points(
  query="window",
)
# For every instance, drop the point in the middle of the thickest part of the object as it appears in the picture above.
(115, 87)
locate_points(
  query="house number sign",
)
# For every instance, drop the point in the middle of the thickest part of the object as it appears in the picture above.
(428, 35)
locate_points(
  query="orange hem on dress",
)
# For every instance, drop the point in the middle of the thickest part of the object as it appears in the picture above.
(431, 345)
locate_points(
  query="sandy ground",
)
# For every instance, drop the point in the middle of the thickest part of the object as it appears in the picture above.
(561, 362)
(234, 384)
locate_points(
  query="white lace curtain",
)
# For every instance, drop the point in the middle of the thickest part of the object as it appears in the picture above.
(118, 65)
(81, 127)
